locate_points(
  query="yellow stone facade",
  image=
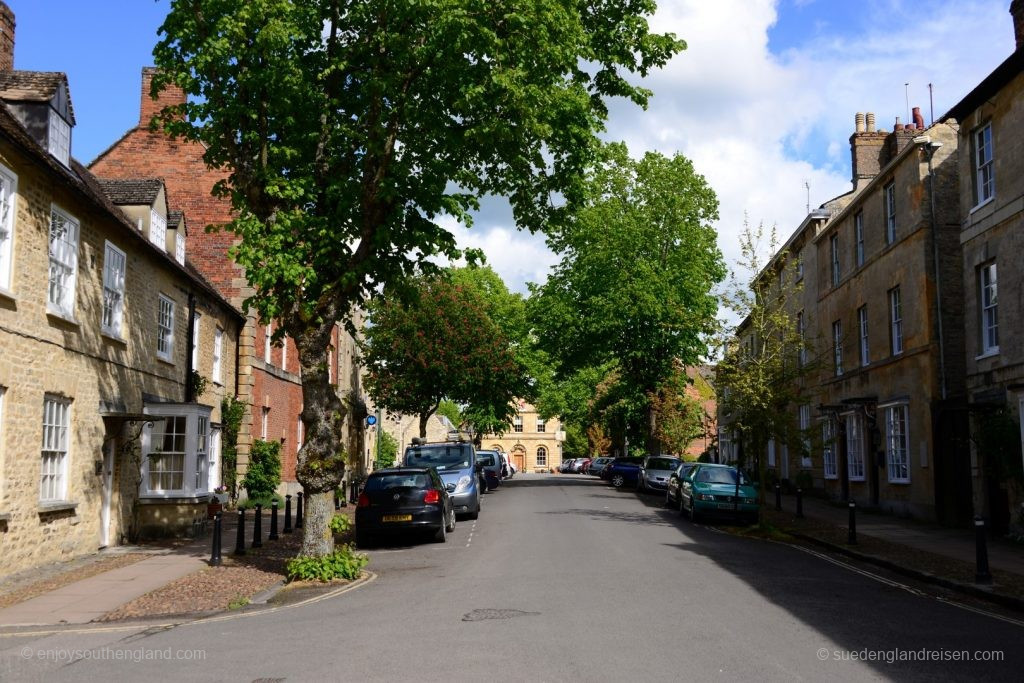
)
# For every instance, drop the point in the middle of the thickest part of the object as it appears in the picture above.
(532, 444)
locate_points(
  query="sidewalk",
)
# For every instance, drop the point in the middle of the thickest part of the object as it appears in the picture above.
(957, 544)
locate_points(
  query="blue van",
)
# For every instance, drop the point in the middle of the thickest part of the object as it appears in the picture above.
(456, 462)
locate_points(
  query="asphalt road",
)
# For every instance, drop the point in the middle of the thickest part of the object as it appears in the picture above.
(564, 579)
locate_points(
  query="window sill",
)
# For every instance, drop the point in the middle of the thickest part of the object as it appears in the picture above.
(57, 506)
(981, 205)
(179, 498)
(858, 479)
(831, 477)
(5, 517)
(8, 295)
(988, 354)
(900, 482)
(115, 338)
(62, 317)
(165, 361)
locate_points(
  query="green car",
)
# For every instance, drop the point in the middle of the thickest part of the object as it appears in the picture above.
(708, 491)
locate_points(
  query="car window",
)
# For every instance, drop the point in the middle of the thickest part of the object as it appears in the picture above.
(441, 456)
(662, 464)
(718, 475)
(384, 482)
(485, 460)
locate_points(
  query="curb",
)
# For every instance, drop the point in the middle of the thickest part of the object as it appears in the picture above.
(965, 588)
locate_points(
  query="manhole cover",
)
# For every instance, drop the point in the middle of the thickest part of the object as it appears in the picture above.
(485, 614)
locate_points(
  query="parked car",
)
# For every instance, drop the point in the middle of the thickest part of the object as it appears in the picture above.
(579, 464)
(566, 466)
(655, 471)
(709, 490)
(403, 500)
(597, 464)
(623, 471)
(675, 481)
(491, 462)
(456, 462)
(510, 466)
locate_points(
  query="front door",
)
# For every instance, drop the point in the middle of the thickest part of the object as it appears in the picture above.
(520, 460)
(108, 491)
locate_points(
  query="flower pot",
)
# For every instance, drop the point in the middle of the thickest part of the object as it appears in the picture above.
(212, 509)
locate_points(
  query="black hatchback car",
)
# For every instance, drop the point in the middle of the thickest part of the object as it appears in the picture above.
(401, 500)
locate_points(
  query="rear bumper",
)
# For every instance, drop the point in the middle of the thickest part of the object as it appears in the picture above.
(372, 520)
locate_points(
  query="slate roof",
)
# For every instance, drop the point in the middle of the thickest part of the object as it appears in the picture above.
(131, 192)
(34, 86)
(175, 219)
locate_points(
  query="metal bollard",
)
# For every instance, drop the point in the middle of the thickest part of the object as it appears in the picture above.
(257, 528)
(240, 537)
(982, 574)
(298, 510)
(778, 497)
(851, 535)
(215, 559)
(287, 515)
(800, 503)
(353, 491)
(273, 521)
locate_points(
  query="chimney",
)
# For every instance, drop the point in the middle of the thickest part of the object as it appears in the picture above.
(1017, 11)
(6, 37)
(866, 147)
(918, 119)
(170, 95)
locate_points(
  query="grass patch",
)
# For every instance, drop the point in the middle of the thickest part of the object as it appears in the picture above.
(238, 602)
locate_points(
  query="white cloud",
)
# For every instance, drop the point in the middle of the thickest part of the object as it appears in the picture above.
(748, 118)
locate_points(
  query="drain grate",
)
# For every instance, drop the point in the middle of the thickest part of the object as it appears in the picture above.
(485, 614)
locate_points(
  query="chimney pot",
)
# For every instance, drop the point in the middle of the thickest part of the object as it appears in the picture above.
(6, 37)
(871, 122)
(858, 121)
(918, 118)
(898, 125)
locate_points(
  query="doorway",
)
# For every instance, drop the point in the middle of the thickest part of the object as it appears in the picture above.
(109, 448)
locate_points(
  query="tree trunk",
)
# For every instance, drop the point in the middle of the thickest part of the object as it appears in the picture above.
(321, 460)
(425, 417)
(652, 443)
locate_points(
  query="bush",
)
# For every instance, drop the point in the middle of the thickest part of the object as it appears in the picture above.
(264, 501)
(340, 525)
(264, 473)
(343, 563)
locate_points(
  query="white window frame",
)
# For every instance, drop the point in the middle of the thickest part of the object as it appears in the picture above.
(895, 321)
(300, 433)
(55, 451)
(984, 167)
(889, 195)
(196, 449)
(58, 137)
(196, 318)
(115, 267)
(837, 347)
(855, 466)
(858, 232)
(517, 424)
(202, 459)
(897, 442)
(988, 280)
(158, 229)
(830, 463)
(179, 246)
(330, 366)
(63, 263)
(8, 211)
(835, 260)
(284, 352)
(804, 417)
(217, 371)
(542, 456)
(213, 471)
(862, 325)
(801, 329)
(542, 425)
(771, 452)
(265, 422)
(165, 328)
(268, 332)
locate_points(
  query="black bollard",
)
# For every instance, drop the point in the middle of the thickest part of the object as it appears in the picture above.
(982, 574)
(778, 497)
(298, 510)
(287, 515)
(851, 534)
(337, 500)
(273, 521)
(257, 528)
(240, 538)
(215, 559)
(800, 503)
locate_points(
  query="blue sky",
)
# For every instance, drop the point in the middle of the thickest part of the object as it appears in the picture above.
(763, 100)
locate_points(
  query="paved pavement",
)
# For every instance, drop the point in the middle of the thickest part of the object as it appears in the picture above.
(565, 579)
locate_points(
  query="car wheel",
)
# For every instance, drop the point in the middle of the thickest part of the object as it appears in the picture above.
(640, 485)
(451, 525)
(668, 501)
(618, 481)
(441, 535)
(476, 513)
(682, 510)
(694, 515)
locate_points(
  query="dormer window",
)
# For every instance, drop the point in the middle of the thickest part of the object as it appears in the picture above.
(158, 230)
(59, 138)
(179, 247)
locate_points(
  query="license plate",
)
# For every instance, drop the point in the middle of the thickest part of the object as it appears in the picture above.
(725, 506)
(396, 518)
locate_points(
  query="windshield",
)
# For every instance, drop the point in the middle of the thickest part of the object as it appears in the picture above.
(662, 464)
(440, 456)
(418, 480)
(719, 475)
(485, 460)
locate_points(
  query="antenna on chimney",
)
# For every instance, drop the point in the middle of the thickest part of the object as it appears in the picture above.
(931, 106)
(807, 186)
(906, 93)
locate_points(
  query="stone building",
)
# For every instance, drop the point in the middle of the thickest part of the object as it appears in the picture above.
(103, 435)
(269, 379)
(991, 204)
(532, 443)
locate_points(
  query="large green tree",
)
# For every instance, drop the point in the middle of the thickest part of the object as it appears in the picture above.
(439, 344)
(347, 127)
(634, 284)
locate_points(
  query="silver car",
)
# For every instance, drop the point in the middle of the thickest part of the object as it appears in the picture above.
(655, 471)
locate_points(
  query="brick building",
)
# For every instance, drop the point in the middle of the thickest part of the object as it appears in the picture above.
(102, 434)
(269, 381)
(991, 204)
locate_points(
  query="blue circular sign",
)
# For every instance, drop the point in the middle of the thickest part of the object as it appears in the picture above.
(371, 420)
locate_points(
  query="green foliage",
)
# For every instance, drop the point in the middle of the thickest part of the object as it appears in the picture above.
(387, 450)
(440, 344)
(266, 502)
(340, 525)
(575, 445)
(679, 418)
(199, 384)
(263, 475)
(343, 563)
(633, 291)
(998, 438)
(238, 602)
(231, 413)
(451, 410)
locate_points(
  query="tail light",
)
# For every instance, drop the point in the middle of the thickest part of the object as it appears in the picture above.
(432, 496)
(364, 501)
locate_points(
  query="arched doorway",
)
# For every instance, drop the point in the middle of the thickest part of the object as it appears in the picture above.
(519, 458)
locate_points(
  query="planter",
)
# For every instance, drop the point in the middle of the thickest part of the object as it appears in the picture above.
(212, 509)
